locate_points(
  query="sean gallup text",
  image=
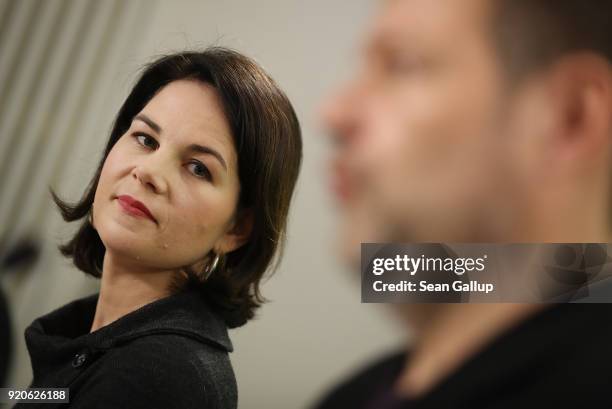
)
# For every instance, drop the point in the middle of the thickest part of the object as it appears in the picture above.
(424, 286)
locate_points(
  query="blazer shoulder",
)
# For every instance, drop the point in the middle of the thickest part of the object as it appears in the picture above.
(163, 370)
(170, 353)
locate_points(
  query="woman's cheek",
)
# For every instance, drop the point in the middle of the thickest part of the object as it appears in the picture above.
(113, 161)
(209, 217)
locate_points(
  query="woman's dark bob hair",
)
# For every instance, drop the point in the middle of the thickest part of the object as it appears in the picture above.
(268, 143)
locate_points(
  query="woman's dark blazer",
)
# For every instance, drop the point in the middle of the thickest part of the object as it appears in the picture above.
(171, 353)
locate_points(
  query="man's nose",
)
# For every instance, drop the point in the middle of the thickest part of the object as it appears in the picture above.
(339, 114)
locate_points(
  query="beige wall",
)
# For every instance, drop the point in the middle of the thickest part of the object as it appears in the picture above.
(314, 329)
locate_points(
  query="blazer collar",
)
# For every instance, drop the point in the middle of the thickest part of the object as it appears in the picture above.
(185, 313)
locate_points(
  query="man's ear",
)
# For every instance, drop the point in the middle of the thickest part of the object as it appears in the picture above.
(238, 233)
(582, 91)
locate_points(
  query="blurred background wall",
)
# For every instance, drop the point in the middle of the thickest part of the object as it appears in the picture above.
(65, 68)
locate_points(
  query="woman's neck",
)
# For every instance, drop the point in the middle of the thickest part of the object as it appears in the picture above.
(124, 289)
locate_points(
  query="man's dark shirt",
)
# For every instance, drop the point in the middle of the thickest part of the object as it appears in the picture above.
(171, 353)
(558, 358)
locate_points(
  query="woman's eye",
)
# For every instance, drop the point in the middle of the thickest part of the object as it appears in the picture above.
(142, 140)
(147, 141)
(200, 170)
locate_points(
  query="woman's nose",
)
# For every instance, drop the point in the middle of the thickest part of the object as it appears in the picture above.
(150, 178)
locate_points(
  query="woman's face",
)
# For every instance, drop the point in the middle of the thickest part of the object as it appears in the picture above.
(191, 193)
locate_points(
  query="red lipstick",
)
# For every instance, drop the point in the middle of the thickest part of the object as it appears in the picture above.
(135, 207)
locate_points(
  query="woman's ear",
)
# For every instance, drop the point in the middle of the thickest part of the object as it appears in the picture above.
(239, 232)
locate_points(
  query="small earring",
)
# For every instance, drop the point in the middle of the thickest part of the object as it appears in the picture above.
(211, 267)
(90, 217)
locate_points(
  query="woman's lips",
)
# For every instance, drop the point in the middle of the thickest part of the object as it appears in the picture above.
(135, 207)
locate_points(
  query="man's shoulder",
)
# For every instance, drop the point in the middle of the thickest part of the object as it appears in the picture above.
(356, 389)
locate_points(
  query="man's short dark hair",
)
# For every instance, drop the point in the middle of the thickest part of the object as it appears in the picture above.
(533, 33)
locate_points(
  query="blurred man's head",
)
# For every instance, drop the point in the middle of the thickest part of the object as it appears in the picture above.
(478, 120)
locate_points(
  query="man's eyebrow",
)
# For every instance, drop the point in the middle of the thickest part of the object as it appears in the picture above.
(205, 149)
(150, 122)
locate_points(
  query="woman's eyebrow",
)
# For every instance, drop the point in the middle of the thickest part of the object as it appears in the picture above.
(206, 150)
(150, 122)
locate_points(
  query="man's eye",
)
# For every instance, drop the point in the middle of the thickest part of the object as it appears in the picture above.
(142, 140)
(200, 170)
(402, 64)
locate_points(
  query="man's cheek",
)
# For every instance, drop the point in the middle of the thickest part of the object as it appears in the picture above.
(391, 171)
(383, 142)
